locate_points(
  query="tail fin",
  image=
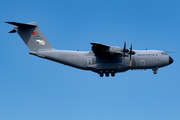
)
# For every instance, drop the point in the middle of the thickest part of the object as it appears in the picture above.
(31, 35)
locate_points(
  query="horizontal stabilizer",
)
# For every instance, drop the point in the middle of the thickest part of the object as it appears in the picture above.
(22, 25)
(13, 31)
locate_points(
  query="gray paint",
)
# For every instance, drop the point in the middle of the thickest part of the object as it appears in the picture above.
(104, 59)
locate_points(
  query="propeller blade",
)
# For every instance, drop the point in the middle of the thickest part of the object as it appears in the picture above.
(130, 55)
(124, 45)
(131, 48)
(124, 50)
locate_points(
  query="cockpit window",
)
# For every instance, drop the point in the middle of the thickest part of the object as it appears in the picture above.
(163, 53)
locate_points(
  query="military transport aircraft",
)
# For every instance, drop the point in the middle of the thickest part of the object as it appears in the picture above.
(102, 59)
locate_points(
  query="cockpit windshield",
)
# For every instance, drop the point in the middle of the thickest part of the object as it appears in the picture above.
(163, 53)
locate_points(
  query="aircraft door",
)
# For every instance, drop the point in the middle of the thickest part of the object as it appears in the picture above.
(89, 62)
(142, 62)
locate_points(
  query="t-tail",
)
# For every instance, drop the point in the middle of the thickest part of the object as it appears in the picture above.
(31, 35)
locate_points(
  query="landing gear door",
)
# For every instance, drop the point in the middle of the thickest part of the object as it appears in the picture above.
(89, 62)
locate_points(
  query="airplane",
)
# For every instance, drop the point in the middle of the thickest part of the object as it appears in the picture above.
(102, 59)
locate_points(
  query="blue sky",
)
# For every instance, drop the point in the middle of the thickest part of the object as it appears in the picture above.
(32, 88)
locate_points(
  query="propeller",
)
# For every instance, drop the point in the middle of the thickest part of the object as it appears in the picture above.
(131, 53)
(124, 50)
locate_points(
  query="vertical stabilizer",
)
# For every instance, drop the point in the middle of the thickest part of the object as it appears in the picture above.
(31, 35)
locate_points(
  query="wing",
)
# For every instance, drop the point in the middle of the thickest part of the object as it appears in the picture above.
(99, 45)
(105, 50)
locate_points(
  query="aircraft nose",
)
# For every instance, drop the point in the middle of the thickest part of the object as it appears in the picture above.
(170, 60)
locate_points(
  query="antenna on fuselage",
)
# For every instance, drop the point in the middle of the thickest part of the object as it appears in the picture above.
(169, 52)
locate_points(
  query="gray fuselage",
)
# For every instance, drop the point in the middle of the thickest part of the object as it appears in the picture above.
(143, 59)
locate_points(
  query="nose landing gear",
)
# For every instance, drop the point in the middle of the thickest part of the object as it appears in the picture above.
(155, 71)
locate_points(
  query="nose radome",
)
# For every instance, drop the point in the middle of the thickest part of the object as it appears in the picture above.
(170, 60)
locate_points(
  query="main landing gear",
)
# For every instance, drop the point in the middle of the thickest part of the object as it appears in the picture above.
(112, 74)
(101, 73)
(107, 74)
